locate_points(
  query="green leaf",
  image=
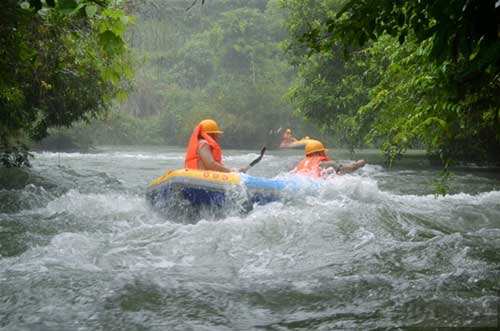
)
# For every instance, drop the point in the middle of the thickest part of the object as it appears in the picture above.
(121, 96)
(90, 10)
(124, 19)
(24, 5)
(77, 9)
(67, 6)
(111, 42)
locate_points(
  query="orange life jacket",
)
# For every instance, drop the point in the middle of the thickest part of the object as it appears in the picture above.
(310, 165)
(192, 156)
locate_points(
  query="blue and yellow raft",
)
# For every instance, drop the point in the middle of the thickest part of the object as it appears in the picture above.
(212, 188)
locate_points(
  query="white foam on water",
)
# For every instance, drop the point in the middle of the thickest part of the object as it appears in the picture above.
(177, 156)
(95, 205)
(338, 216)
(356, 187)
(343, 236)
(113, 155)
(247, 157)
(75, 251)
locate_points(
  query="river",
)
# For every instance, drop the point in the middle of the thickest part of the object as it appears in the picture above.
(80, 249)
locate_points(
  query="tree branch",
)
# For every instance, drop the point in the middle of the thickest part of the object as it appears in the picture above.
(194, 3)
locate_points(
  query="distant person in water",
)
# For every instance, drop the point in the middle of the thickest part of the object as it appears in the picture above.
(317, 163)
(203, 151)
(287, 139)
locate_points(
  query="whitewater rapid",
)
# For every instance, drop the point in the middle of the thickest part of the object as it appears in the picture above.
(80, 248)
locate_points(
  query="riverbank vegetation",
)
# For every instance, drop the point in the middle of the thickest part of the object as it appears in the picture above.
(401, 74)
(393, 75)
(60, 62)
(222, 60)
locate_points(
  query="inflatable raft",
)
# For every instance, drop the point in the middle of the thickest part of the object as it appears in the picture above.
(212, 188)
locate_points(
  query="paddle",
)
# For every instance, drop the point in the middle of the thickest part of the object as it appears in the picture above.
(257, 160)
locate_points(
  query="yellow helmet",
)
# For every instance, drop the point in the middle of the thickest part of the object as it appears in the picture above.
(210, 126)
(288, 130)
(314, 146)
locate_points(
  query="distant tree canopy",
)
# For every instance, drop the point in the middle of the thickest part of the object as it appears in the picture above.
(222, 60)
(60, 61)
(401, 73)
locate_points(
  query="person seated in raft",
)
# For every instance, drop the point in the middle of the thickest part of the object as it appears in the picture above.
(287, 139)
(317, 164)
(203, 151)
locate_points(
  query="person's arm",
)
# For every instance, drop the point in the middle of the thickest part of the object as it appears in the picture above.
(330, 167)
(341, 168)
(209, 162)
(348, 168)
(328, 164)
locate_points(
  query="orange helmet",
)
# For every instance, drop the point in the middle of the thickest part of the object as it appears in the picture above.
(314, 146)
(210, 126)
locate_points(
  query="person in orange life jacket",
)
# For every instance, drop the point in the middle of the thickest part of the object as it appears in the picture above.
(317, 163)
(287, 139)
(203, 151)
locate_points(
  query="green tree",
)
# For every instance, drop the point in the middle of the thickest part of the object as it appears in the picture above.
(60, 62)
(415, 73)
(222, 60)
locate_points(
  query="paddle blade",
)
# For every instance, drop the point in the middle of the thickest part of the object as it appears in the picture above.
(257, 160)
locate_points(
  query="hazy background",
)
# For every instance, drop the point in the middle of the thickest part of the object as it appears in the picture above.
(224, 60)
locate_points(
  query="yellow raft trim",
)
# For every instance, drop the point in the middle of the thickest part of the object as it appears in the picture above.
(207, 175)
